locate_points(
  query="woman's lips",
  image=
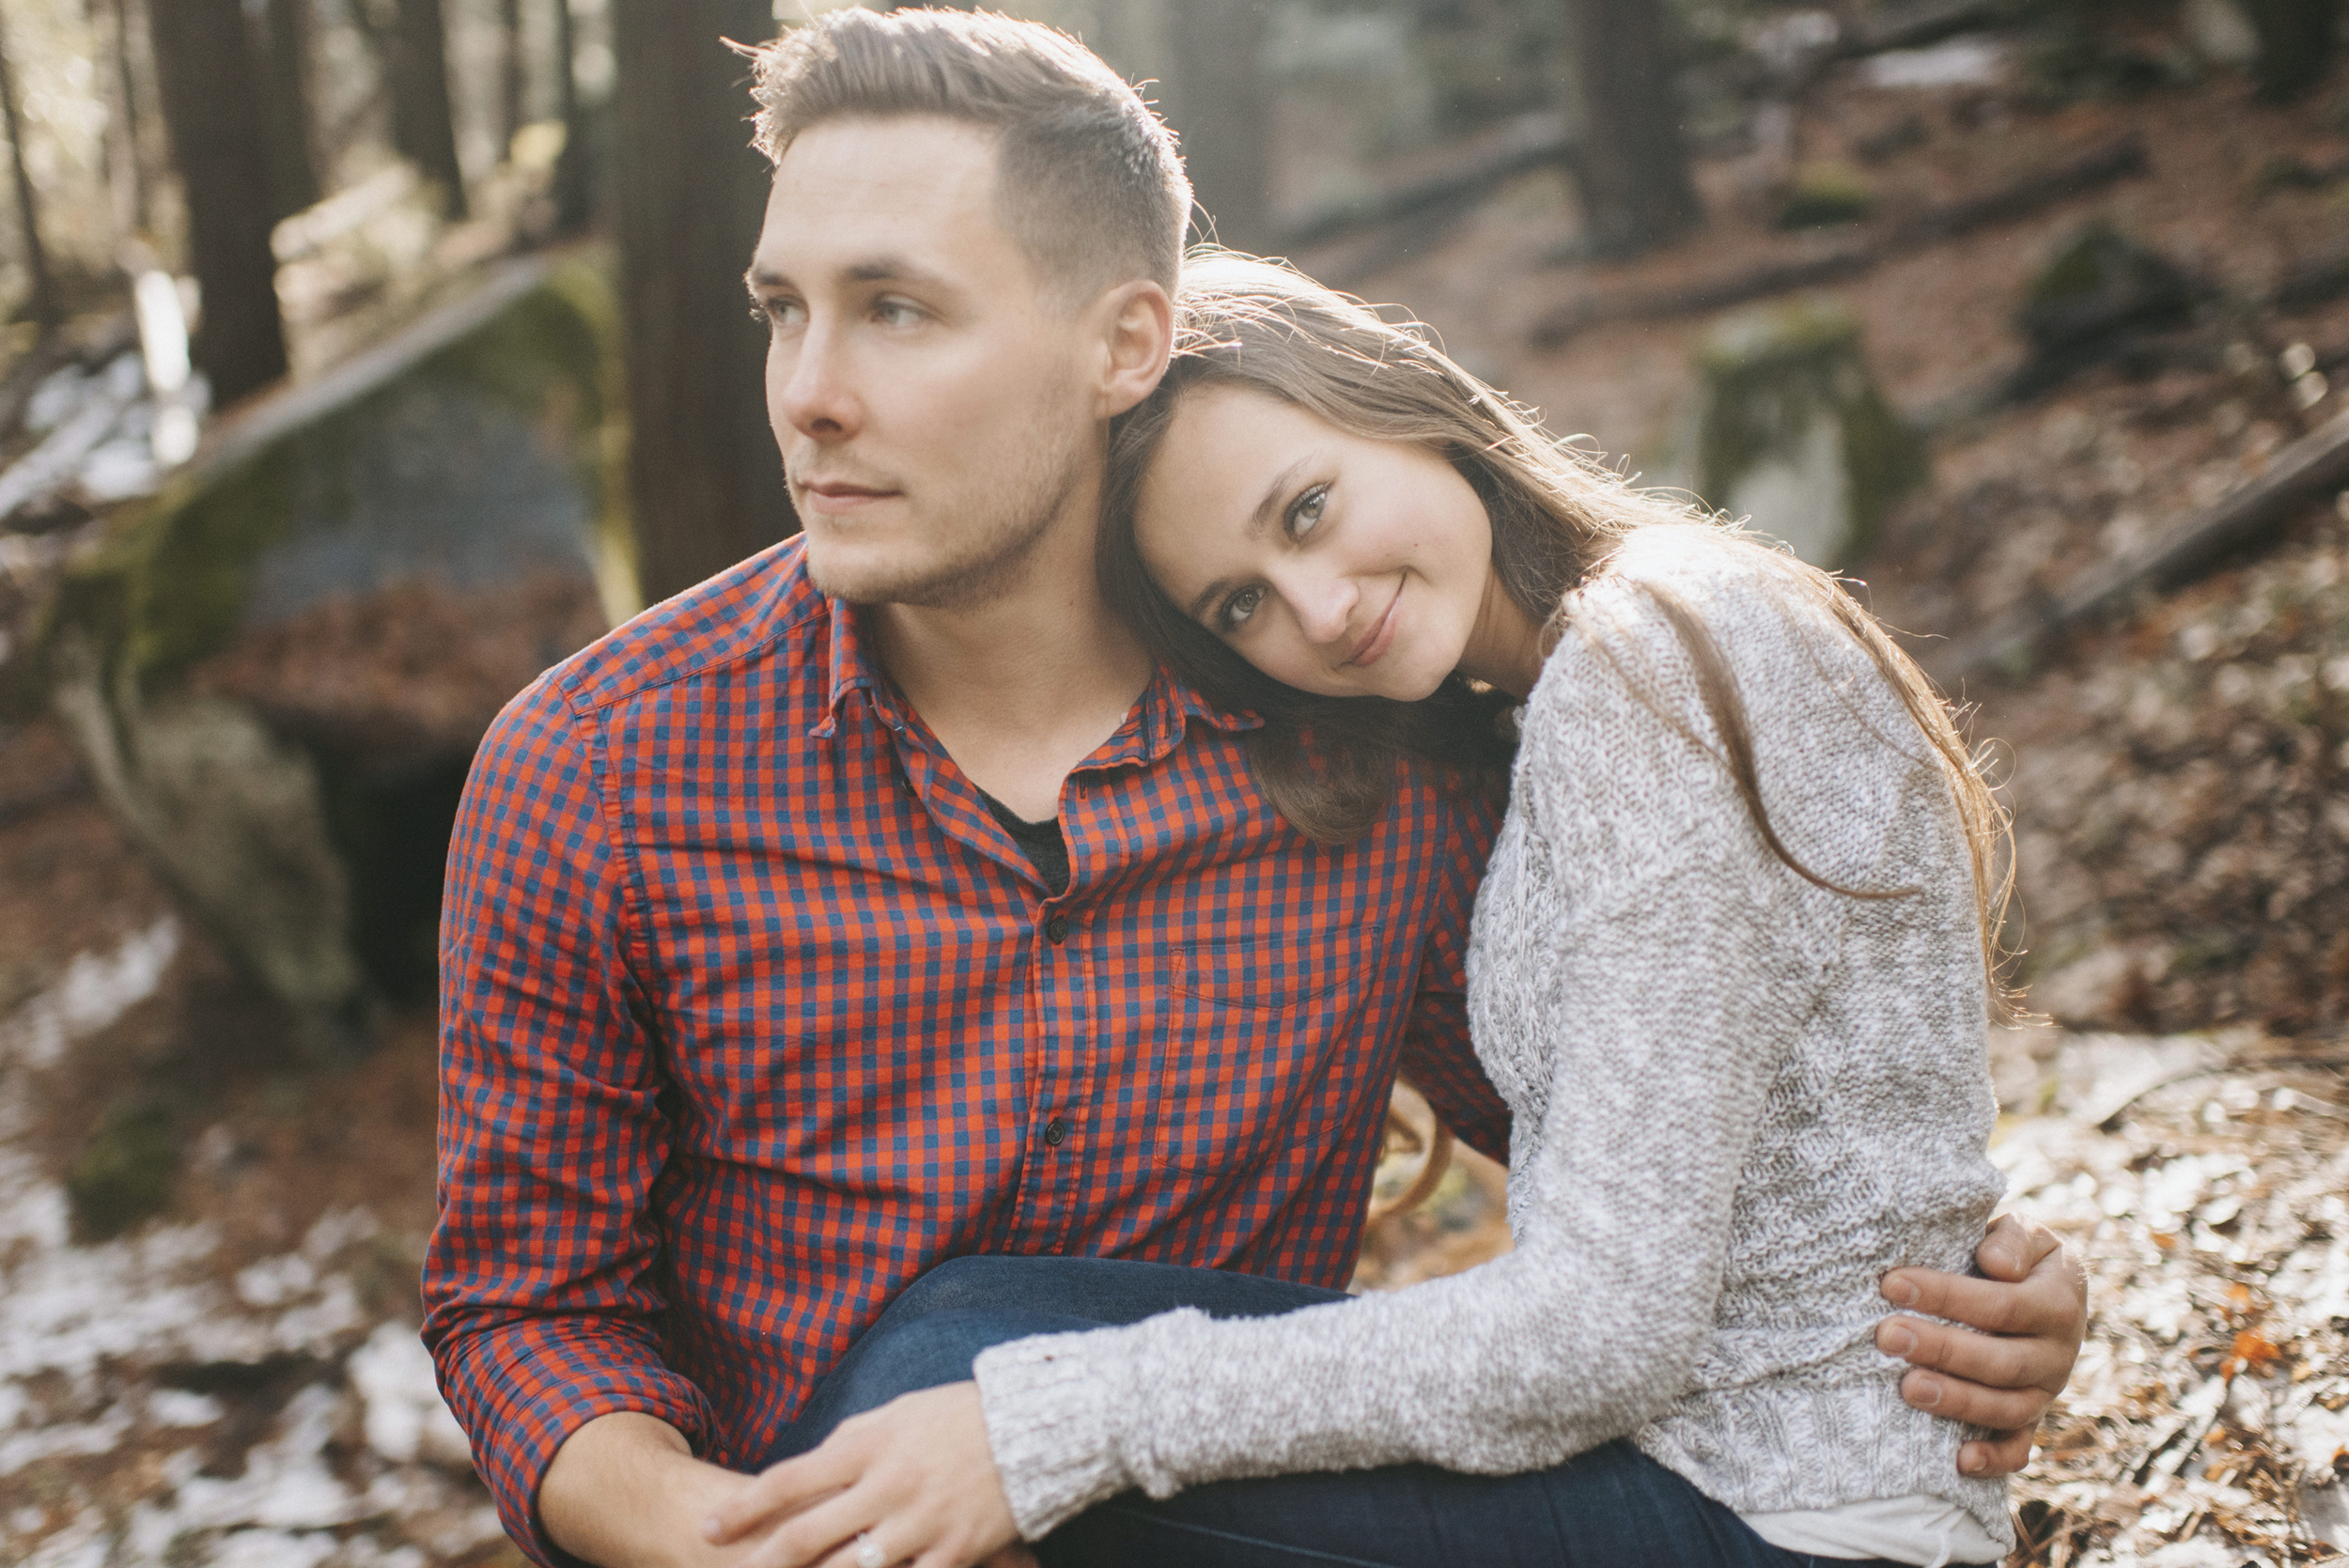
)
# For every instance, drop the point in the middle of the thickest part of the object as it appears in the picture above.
(1381, 637)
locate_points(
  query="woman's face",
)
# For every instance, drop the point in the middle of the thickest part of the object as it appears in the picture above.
(1334, 563)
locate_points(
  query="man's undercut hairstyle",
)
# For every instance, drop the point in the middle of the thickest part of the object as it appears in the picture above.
(1087, 178)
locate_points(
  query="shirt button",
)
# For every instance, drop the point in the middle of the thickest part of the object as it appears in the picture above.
(1056, 1133)
(1056, 930)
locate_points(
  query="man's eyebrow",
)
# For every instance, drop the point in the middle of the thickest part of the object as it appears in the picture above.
(889, 268)
(878, 269)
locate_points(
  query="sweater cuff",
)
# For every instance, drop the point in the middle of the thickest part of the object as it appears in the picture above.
(1047, 1407)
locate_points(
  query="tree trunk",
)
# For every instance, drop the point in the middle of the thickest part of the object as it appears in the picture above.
(211, 108)
(1219, 113)
(513, 80)
(2297, 42)
(423, 127)
(574, 179)
(126, 84)
(1636, 190)
(705, 475)
(40, 302)
(293, 158)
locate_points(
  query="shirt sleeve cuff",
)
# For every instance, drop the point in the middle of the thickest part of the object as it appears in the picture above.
(1048, 1404)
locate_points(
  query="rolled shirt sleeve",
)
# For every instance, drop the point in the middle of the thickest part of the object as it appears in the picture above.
(539, 1301)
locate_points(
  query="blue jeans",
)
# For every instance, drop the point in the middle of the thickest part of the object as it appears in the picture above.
(1613, 1507)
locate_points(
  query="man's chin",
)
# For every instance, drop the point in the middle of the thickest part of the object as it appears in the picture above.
(858, 580)
(873, 577)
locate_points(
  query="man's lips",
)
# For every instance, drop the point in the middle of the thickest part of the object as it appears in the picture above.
(1380, 637)
(832, 496)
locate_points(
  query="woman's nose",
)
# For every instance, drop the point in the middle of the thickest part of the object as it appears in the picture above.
(1323, 604)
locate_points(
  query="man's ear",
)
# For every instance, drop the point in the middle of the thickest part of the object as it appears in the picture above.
(1136, 322)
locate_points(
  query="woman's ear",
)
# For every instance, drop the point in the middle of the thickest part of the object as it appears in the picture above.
(1137, 326)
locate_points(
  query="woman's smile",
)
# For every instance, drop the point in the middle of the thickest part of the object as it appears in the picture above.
(1381, 636)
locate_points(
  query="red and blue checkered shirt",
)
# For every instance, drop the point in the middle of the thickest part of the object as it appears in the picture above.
(751, 1012)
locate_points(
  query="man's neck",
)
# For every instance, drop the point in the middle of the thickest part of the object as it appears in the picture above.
(1021, 689)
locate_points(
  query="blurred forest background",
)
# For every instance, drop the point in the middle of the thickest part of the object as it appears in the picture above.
(362, 358)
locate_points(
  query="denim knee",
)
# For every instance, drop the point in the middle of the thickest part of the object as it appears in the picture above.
(960, 1284)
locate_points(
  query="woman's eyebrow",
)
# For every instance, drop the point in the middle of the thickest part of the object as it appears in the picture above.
(1258, 520)
(1207, 596)
(1270, 504)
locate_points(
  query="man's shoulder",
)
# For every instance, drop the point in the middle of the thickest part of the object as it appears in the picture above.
(747, 615)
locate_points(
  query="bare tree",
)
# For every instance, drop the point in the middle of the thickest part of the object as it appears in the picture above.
(132, 156)
(1636, 190)
(574, 183)
(703, 471)
(414, 51)
(1219, 109)
(293, 136)
(219, 141)
(2297, 42)
(513, 75)
(40, 302)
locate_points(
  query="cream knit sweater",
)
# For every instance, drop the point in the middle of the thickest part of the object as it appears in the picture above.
(1739, 1099)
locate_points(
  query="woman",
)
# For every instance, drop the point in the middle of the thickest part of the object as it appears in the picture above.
(1731, 966)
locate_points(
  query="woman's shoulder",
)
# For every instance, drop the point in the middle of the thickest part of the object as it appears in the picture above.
(1716, 571)
(1753, 603)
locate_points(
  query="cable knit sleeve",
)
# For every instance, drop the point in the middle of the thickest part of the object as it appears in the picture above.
(1658, 962)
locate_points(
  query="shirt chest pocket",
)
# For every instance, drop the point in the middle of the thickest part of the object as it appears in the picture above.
(1255, 1054)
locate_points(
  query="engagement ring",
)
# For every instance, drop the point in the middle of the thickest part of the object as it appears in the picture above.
(869, 1553)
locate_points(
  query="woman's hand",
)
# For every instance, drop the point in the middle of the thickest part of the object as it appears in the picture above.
(912, 1483)
(2031, 1313)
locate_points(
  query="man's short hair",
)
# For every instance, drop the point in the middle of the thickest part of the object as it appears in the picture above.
(1087, 178)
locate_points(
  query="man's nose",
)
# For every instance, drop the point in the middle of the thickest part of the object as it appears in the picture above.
(812, 389)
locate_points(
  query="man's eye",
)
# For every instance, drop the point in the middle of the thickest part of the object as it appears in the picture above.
(1306, 515)
(775, 312)
(1239, 607)
(896, 313)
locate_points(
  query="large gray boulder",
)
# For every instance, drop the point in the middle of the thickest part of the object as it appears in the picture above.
(1785, 428)
(277, 673)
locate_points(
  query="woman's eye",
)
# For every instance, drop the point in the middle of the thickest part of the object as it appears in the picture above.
(1239, 607)
(1305, 516)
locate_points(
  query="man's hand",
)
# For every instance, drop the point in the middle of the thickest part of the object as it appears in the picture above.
(625, 1491)
(2031, 1313)
(914, 1482)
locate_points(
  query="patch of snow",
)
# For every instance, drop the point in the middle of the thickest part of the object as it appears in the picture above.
(63, 1438)
(270, 1549)
(286, 1484)
(178, 1407)
(274, 1281)
(66, 1309)
(406, 1419)
(98, 988)
(1965, 62)
(338, 1229)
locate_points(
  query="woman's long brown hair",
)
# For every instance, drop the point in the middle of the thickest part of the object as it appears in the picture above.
(1331, 765)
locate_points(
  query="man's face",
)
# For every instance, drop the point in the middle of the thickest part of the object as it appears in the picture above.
(926, 395)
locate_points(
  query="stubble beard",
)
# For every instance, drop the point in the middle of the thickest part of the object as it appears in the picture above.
(1000, 547)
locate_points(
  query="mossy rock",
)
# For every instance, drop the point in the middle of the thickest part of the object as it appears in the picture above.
(123, 1172)
(229, 662)
(2100, 282)
(1787, 428)
(1825, 194)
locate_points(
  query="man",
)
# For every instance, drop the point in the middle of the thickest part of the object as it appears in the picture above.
(877, 902)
